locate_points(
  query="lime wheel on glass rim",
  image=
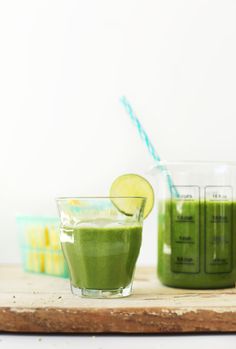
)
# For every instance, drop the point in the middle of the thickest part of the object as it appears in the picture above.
(132, 185)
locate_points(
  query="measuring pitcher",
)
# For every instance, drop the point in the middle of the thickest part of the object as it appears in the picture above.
(196, 224)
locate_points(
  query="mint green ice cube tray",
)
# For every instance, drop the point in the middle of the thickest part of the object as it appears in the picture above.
(40, 245)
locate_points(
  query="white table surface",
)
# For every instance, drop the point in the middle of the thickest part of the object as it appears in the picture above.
(219, 341)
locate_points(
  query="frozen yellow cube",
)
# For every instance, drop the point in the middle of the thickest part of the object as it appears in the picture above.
(54, 238)
(31, 237)
(40, 237)
(46, 237)
(35, 236)
(35, 261)
(48, 262)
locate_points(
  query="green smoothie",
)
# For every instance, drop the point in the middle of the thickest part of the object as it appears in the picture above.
(101, 257)
(196, 241)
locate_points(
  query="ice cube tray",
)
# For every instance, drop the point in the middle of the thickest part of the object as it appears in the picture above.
(40, 245)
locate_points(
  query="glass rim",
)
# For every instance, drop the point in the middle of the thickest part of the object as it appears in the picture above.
(64, 198)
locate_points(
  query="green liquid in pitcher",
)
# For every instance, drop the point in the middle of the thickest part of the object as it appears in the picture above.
(196, 241)
(101, 257)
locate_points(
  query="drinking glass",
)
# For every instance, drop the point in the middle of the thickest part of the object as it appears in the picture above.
(101, 239)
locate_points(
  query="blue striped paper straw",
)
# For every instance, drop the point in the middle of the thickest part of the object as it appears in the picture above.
(147, 142)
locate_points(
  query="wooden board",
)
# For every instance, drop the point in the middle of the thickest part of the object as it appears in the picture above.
(43, 304)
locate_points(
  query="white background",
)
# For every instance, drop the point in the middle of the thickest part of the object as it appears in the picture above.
(64, 66)
(117, 342)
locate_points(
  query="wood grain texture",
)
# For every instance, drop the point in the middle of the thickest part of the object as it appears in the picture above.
(43, 304)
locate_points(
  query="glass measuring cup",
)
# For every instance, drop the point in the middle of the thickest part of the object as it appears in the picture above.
(196, 224)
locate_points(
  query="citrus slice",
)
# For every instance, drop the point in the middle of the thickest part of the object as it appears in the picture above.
(132, 185)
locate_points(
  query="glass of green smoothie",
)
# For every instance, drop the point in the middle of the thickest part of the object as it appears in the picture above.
(101, 243)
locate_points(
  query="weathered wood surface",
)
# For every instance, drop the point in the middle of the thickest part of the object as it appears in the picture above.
(35, 303)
